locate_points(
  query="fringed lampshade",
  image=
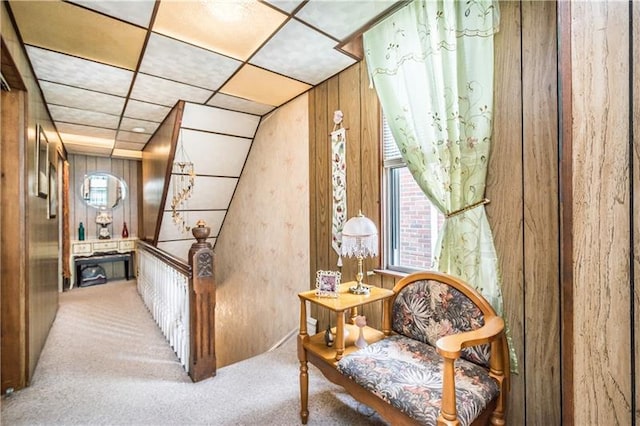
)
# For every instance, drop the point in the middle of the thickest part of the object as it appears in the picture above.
(359, 240)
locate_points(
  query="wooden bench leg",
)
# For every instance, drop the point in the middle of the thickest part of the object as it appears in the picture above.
(304, 392)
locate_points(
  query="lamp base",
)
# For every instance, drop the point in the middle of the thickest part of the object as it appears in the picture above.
(359, 289)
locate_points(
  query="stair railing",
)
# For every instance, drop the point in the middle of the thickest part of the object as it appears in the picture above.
(181, 299)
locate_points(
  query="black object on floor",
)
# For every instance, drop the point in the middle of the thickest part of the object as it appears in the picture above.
(92, 275)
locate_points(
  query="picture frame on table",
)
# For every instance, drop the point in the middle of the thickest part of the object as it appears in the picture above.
(53, 192)
(327, 283)
(42, 163)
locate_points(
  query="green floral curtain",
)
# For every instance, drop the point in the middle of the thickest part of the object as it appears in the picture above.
(432, 65)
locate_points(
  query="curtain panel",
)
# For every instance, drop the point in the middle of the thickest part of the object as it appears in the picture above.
(432, 66)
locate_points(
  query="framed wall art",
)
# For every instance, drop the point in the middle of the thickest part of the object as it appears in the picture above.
(53, 192)
(42, 163)
(327, 283)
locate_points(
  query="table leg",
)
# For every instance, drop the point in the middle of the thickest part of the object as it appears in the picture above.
(339, 342)
(126, 268)
(304, 369)
(304, 392)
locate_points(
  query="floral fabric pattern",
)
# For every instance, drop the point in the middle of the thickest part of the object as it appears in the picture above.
(432, 66)
(408, 375)
(428, 310)
(339, 182)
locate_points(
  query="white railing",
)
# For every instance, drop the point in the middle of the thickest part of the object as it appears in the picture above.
(164, 288)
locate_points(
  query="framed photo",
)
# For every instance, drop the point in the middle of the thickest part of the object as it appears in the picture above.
(42, 163)
(327, 283)
(53, 191)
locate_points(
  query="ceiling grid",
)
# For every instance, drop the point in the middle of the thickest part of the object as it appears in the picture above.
(110, 71)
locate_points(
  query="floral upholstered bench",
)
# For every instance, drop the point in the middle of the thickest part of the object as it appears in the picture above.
(445, 361)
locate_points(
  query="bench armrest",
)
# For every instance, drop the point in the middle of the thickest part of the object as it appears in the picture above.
(451, 346)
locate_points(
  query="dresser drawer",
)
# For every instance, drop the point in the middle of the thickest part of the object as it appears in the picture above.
(107, 245)
(81, 248)
(127, 245)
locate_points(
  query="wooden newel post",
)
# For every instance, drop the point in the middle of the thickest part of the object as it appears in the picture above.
(202, 303)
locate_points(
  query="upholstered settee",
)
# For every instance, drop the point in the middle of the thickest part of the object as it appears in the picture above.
(444, 361)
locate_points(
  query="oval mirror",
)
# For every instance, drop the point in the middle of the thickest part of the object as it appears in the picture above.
(103, 190)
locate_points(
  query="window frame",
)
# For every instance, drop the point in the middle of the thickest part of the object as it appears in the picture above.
(390, 207)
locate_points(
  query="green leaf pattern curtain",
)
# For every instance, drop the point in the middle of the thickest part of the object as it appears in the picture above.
(432, 65)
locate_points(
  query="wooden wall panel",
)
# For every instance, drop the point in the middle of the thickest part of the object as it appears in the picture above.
(155, 172)
(601, 209)
(505, 190)
(41, 233)
(370, 159)
(333, 104)
(540, 183)
(79, 166)
(349, 103)
(312, 188)
(12, 251)
(635, 155)
(320, 241)
(348, 92)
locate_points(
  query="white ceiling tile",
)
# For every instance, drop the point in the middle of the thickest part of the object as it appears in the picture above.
(216, 195)
(125, 136)
(129, 145)
(146, 111)
(301, 53)
(136, 12)
(165, 92)
(342, 18)
(82, 73)
(84, 117)
(174, 60)
(239, 104)
(93, 132)
(201, 117)
(98, 151)
(129, 124)
(58, 94)
(285, 5)
(215, 154)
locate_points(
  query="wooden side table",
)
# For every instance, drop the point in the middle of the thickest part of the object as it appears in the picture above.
(313, 348)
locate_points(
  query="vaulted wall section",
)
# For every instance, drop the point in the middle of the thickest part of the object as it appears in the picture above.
(217, 142)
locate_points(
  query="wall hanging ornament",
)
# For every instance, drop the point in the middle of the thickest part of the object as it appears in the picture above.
(184, 176)
(339, 181)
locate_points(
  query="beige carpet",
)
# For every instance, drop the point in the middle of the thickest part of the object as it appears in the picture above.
(106, 363)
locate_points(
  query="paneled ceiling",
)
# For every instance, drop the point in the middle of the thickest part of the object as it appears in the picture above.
(110, 71)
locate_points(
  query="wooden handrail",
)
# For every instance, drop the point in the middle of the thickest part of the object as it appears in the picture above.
(201, 293)
(168, 258)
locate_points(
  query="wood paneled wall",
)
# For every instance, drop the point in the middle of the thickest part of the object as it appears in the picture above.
(522, 185)
(602, 339)
(41, 234)
(635, 185)
(350, 93)
(127, 170)
(156, 170)
(13, 250)
(523, 188)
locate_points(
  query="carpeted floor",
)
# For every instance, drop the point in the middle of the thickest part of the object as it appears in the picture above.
(106, 362)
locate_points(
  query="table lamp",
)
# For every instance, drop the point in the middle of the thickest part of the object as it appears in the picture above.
(359, 240)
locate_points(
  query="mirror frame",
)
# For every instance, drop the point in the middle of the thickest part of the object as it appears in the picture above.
(124, 189)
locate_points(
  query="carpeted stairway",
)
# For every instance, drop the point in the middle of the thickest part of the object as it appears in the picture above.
(106, 363)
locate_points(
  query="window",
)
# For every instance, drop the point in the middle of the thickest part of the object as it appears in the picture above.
(411, 223)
